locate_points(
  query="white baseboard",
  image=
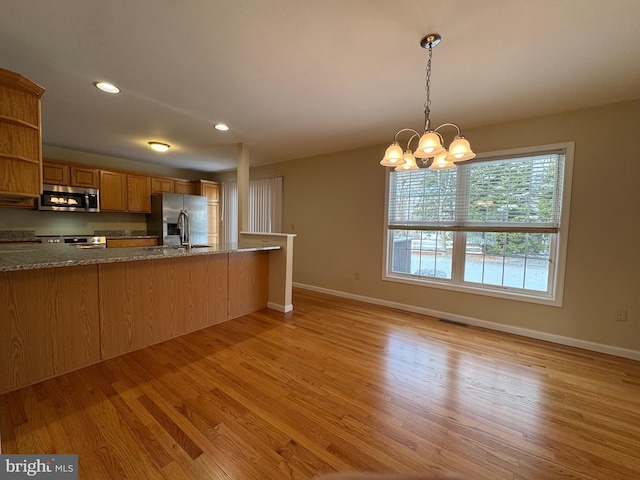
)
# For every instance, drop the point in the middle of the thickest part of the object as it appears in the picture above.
(525, 332)
(280, 308)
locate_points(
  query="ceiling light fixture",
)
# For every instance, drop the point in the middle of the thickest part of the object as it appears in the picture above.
(107, 87)
(159, 147)
(221, 126)
(430, 151)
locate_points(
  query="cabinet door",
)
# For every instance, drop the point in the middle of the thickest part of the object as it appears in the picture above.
(55, 173)
(211, 190)
(184, 186)
(213, 217)
(139, 193)
(113, 191)
(161, 185)
(84, 177)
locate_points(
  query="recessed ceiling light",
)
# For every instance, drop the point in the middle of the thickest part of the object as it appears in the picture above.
(221, 126)
(107, 87)
(159, 147)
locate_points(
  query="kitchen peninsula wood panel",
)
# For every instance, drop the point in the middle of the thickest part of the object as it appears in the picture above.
(146, 302)
(49, 321)
(249, 274)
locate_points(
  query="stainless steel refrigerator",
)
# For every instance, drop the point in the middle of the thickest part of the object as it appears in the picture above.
(164, 218)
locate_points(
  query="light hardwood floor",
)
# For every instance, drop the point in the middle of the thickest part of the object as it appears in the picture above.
(338, 385)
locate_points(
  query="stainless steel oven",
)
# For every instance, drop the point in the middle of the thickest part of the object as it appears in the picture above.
(69, 199)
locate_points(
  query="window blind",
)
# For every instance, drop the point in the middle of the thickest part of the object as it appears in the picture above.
(513, 194)
(265, 207)
(230, 212)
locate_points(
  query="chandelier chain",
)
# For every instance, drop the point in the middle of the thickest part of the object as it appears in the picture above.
(427, 87)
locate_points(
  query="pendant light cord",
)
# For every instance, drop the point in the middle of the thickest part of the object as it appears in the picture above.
(427, 87)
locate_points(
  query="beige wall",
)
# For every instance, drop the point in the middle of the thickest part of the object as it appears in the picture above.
(335, 203)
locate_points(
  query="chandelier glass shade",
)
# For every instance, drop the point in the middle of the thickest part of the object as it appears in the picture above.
(430, 148)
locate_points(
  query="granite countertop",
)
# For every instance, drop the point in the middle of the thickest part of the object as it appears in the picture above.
(35, 256)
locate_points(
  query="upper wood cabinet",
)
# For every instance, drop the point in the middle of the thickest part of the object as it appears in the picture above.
(113, 191)
(82, 176)
(184, 186)
(138, 193)
(162, 185)
(20, 137)
(55, 173)
(62, 173)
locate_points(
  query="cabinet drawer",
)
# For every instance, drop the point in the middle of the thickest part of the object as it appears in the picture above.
(131, 242)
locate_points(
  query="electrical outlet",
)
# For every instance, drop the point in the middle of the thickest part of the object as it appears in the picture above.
(292, 227)
(356, 276)
(621, 315)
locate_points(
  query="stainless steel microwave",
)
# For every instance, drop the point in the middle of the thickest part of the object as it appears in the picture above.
(69, 199)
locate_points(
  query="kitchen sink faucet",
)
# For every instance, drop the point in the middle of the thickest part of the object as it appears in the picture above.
(185, 229)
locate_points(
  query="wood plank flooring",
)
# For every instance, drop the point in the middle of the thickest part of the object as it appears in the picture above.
(338, 385)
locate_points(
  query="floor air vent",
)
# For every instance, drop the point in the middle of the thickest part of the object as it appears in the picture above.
(453, 322)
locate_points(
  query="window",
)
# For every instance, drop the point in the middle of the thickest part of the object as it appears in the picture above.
(495, 225)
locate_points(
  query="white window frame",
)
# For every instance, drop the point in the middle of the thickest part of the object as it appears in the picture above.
(558, 248)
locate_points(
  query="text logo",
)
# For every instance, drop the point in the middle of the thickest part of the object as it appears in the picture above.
(50, 467)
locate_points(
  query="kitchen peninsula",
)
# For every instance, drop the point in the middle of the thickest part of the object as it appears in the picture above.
(64, 307)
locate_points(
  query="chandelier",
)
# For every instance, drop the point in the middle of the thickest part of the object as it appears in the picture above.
(430, 149)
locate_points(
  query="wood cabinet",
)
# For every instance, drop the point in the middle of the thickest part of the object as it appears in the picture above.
(162, 185)
(82, 176)
(56, 172)
(50, 323)
(184, 186)
(131, 242)
(113, 191)
(138, 193)
(124, 192)
(211, 190)
(30, 203)
(20, 138)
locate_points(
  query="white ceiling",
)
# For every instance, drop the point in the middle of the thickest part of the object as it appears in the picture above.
(295, 78)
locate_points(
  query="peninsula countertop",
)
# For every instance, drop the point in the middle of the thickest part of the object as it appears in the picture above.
(34, 256)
